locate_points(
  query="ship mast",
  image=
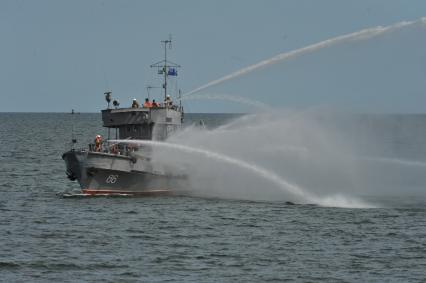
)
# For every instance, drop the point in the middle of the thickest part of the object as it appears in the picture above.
(166, 67)
(165, 42)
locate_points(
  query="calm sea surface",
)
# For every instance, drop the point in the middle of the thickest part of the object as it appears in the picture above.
(44, 237)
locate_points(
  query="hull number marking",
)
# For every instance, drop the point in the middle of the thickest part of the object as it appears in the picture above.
(112, 179)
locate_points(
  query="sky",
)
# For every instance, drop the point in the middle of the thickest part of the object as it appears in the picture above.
(61, 55)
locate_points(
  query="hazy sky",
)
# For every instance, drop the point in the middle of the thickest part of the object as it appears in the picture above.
(61, 55)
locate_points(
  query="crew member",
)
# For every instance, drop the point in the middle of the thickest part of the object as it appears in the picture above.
(135, 103)
(168, 101)
(154, 104)
(114, 149)
(147, 104)
(98, 143)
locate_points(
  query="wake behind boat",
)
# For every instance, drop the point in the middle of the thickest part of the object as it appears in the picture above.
(108, 168)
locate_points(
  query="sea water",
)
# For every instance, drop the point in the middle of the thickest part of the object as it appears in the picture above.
(227, 235)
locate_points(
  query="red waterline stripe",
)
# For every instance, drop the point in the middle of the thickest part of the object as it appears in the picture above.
(112, 192)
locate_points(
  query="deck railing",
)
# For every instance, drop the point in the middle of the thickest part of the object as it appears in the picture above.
(113, 148)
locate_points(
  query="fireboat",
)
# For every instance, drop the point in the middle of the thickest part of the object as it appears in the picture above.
(106, 167)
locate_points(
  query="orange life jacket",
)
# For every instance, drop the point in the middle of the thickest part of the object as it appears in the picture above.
(98, 144)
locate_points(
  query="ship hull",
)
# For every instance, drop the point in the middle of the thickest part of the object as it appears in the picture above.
(100, 174)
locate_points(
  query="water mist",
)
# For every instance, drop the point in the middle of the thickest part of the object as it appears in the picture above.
(274, 156)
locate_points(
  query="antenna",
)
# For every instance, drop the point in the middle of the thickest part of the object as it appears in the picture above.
(73, 138)
(180, 99)
(108, 98)
(165, 67)
(148, 88)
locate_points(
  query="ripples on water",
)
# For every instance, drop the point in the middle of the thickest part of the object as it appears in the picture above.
(44, 237)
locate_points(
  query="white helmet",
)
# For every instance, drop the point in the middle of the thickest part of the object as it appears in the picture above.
(134, 99)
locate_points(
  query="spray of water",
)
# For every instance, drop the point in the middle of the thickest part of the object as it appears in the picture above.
(364, 34)
(234, 98)
(292, 188)
(220, 171)
(318, 151)
(396, 161)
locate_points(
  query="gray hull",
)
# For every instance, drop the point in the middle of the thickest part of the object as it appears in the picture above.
(99, 173)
